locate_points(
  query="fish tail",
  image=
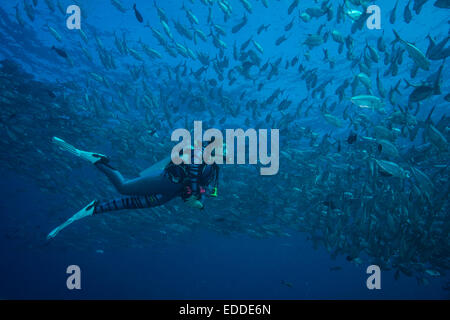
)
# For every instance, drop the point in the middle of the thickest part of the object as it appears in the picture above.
(407, 84)
(428, 119)
(401, 109)
(437, 88)
(396, 87)
(397, 37)
(437, 85)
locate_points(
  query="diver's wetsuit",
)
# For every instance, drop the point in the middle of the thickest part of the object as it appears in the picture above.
(152, 190)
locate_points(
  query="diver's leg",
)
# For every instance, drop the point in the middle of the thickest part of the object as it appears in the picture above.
(116, 178)
(141, 186)
(131, 202)
(148, 184)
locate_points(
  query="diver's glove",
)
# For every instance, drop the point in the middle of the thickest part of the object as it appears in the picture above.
(193, 202)
(192, 199)
(212, 192)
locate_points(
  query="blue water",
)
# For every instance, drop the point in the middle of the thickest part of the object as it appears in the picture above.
(205, 265)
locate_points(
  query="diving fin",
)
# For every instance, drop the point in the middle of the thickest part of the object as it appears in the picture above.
(85, 212)
(89, 156)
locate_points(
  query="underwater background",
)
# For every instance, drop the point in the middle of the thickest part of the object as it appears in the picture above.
(363, 173)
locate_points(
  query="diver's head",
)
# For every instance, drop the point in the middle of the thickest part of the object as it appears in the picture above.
(215, 149)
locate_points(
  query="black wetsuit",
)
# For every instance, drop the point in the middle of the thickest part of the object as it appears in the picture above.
(155, 189)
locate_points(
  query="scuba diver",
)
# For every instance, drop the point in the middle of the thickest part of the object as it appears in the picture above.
(153, 188)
